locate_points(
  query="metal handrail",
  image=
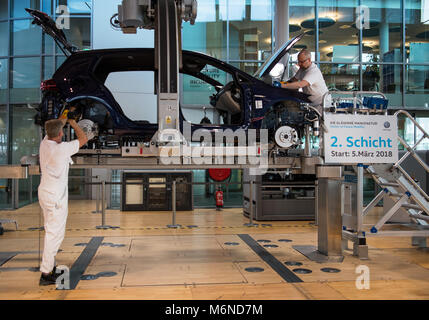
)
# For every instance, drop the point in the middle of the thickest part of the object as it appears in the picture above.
(411, 150)
(354, 93)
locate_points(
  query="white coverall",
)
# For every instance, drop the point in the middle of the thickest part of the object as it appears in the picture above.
(53, 195)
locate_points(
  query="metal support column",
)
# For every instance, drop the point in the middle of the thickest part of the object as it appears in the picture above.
(329, 210)
(360, 248)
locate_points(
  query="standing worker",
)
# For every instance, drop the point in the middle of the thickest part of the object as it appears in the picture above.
(55, 157)
(309, 78)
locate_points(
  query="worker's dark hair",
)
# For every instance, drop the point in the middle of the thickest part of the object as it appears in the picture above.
(53, 128)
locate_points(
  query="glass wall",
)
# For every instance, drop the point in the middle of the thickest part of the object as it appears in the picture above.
(367, 45)
(235, 31)
(26, 58)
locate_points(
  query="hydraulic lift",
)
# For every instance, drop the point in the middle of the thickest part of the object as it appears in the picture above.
(165, 17)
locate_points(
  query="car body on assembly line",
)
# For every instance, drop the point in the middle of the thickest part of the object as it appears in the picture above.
(241, 100)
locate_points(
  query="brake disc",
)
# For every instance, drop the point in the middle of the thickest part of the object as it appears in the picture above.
(286, 137)
(89, 127)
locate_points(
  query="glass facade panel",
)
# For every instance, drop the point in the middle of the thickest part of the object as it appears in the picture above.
(26, 38)
(4, 36)
(417, 86)
(60, 61)
(208, 35)
(47, 6)
(341, 77)
(417, 31)
(25, 80)
(3, 134)
(5, 184)
(389, 82)
(18, 7)
(3, 81)
(204, 194)
(382, 40)
(25, 134)
(423, 120)
(48, 67)
(4, 14)
(250, 25)
(301, 20)
(48, 44)
(338, 38)
(79, 34)
(406, 130)
(76, 7)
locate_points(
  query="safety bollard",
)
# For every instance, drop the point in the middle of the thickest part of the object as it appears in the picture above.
(103, 208)
(251, 224)
(173, 206)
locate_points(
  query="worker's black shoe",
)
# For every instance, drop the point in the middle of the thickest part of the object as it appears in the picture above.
(50, 278)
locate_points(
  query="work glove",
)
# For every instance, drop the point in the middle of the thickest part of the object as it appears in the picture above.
(70, 113)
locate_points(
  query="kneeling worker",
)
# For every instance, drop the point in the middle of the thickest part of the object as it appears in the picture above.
(310, 79)
(55, 157)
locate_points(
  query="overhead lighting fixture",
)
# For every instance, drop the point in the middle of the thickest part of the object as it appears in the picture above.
(322, 41)
(345, 26)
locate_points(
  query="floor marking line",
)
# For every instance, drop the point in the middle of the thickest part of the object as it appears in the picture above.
(83, 261)
(275, 264)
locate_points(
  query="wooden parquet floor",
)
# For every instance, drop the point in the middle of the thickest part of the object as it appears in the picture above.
(144, 259)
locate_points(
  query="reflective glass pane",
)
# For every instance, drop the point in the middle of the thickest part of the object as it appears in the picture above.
(25, 80)
(417, 31)
(48, 67)
(3, 80)
(79, 33)
(5, 184)
(386, 79)
(60, 60)
(25, 134)
(48, 44)
(47, 6)
(406, 130)
(338, 41)
(250, 31)
(3, 134)
(4, 47)
(381, 35)
(26, 38)
(3, 10)
(208, 34)
(423, 120)
(417, 86)
(75, 6)
(301, 20)
(341, 77)
(18, 7)
(247, 66)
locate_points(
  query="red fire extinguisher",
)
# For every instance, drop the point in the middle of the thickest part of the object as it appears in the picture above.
(219, 199)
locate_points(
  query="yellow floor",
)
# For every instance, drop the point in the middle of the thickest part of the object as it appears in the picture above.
(155, 262)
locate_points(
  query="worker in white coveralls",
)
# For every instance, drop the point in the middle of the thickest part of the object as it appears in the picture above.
(310, 79)
(53, 189)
